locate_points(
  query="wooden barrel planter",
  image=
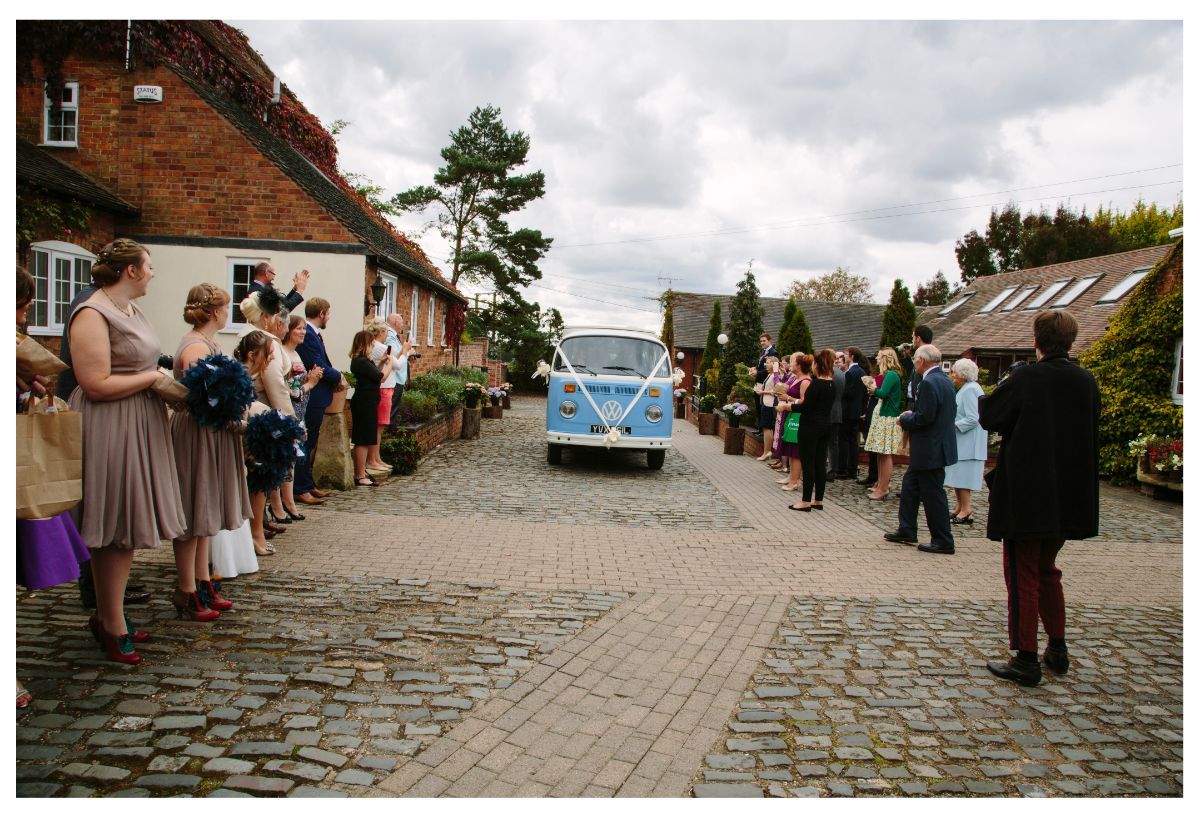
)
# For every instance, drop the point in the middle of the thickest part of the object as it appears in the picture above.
(735, 438)
(506, 403)
(490, 411)
(707, 423)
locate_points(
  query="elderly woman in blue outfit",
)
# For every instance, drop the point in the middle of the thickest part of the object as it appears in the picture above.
(966, 476)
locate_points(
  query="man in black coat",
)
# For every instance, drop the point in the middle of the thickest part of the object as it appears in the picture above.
(932, 448)
(854, 400)
(1044, 490)
(263, 276)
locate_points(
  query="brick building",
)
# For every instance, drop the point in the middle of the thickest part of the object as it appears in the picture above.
(185, 141)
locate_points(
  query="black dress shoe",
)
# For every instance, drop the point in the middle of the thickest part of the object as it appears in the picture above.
(865, 481)
(897, 537)
(1055, 658)
(1027, 674)
(136, 595)
(936, 549)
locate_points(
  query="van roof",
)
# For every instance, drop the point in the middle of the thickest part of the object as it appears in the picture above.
(603, 330)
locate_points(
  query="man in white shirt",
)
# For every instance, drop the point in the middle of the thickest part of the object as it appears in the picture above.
(399, 350)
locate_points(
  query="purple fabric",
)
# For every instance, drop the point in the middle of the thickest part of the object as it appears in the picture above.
(49, 552)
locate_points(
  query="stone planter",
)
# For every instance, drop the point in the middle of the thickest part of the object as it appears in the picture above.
(470, 423)
(708, 423)
(734, 439)
(490, 411)
(332, 465)
(1152, 481)
(338, 405)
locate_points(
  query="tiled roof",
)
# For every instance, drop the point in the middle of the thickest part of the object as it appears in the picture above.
(36, 165)
(1003, 330)
(833, 324)
(325, 192)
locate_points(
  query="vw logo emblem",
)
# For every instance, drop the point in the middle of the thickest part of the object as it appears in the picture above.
(611, 410)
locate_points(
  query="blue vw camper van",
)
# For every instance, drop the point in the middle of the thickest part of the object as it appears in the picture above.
(609, 387)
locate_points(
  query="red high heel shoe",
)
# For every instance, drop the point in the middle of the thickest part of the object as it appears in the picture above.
(135, 635)
(207, 590)
(189, 605)
(117, 648)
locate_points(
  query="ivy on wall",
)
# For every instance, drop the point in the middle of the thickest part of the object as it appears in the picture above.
(1133, 364)
(41, 214)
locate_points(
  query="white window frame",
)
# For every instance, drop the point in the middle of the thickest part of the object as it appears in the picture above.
(1047, 293)
(1177, 376)
(1127, 284)
(387, 305)
(1076, 291)
(994, 303)
(233, 325)
(432, 317)
(414, 314)
(445, 327)
(72, 106)
(956, 304)
(78, 278)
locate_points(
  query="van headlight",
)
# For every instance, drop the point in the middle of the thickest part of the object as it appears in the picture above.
(567, 409)
(654, 413)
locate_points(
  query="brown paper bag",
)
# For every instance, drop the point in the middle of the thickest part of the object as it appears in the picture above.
(49, 460)
(34, 360)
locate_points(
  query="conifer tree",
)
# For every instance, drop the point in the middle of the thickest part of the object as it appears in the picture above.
(899, 318)
(712, 348)
(795, 334)
(745, 327)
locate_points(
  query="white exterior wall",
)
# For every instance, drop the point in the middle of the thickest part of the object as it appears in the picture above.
(338, 278)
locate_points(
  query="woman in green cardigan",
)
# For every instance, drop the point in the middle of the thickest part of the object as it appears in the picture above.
(885, 436)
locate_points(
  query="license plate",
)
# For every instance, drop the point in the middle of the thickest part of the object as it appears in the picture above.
(602, 428)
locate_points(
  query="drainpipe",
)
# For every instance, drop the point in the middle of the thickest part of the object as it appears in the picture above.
(128, 41)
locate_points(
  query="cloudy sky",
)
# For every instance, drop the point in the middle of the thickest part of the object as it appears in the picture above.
(683, 150)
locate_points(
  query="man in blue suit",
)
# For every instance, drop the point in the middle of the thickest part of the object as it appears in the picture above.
(263, 276)
(932, 447)
(312, 352)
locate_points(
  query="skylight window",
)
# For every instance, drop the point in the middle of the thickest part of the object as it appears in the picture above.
(1124, 287)
(956, 303)
(1012, 304)
(999, 298)
(1050, 291)
(1073, 293)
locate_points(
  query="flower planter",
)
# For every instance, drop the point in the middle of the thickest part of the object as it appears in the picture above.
(680, 410)
(471, 401)
(1152, 481)
(507, 403)
(707, 423)
(338, 405)
(734, 439)
(493, 411)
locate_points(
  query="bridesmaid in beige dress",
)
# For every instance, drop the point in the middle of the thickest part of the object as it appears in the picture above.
(130, 485)
(212, 475)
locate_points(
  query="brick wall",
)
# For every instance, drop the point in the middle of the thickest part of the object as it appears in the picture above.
(438, 430)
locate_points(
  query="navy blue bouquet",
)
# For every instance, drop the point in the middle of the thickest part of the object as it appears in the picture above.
(219, 390)
(272, 444)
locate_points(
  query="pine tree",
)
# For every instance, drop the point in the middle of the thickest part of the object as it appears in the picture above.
(789, 313)
(712, 348)
(899, 318)
(795, 334)
(745, 327)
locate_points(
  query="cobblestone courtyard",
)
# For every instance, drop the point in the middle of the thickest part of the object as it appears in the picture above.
(493, 626)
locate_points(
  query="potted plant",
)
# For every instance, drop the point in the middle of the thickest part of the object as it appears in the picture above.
(472, 393)
(1160, 460)
(735, 436)
(707, 420)
(680, 402)
(505, 402)
(494, 394)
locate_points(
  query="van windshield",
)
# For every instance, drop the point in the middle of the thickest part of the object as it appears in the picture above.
(613, 356)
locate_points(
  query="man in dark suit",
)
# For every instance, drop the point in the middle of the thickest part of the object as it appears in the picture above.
(932, 448)
(922, 335)
(854, 402)
(830, 459)
(312, 352)
(1044, 490)
(768, 349)
(264, 275)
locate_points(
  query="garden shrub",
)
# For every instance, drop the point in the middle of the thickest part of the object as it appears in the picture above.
(446, 391)
(417, 407)
(399, 449)
(1133, 364)
(466, 374)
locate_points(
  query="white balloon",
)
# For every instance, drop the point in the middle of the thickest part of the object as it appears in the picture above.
(722, 339)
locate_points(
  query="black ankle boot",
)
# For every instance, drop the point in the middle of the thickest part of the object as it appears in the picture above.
(1026, 673)
(1056, 659)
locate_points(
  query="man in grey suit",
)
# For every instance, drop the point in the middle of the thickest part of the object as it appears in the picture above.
(932, 447)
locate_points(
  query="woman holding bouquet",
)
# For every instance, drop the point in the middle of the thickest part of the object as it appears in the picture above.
(300, 385)
(130, 481)
(212, 480)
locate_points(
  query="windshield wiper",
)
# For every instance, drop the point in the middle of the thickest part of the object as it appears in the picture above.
(584, 368)
(617, 367)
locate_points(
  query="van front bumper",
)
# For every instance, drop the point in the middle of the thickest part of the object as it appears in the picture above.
(597, 440)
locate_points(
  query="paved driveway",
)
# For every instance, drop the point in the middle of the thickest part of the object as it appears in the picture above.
(496, 626)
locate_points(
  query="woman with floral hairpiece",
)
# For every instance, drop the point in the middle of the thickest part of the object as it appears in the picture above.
(212, 480)
(130, 481)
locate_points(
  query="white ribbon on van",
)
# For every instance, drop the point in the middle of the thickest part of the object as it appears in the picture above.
(613, 435)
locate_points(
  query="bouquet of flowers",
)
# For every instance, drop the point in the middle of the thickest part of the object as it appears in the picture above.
(495, 394)
(296, 380)
(735, 410)
(680, 393)
(472, 393)
(218, 390)
(272, 445)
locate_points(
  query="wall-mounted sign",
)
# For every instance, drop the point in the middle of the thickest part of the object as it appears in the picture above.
(151, 94)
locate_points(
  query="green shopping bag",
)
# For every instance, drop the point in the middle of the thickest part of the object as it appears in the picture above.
(791, 428)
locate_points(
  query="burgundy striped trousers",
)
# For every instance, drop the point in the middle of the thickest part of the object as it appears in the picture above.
(1035, 591)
